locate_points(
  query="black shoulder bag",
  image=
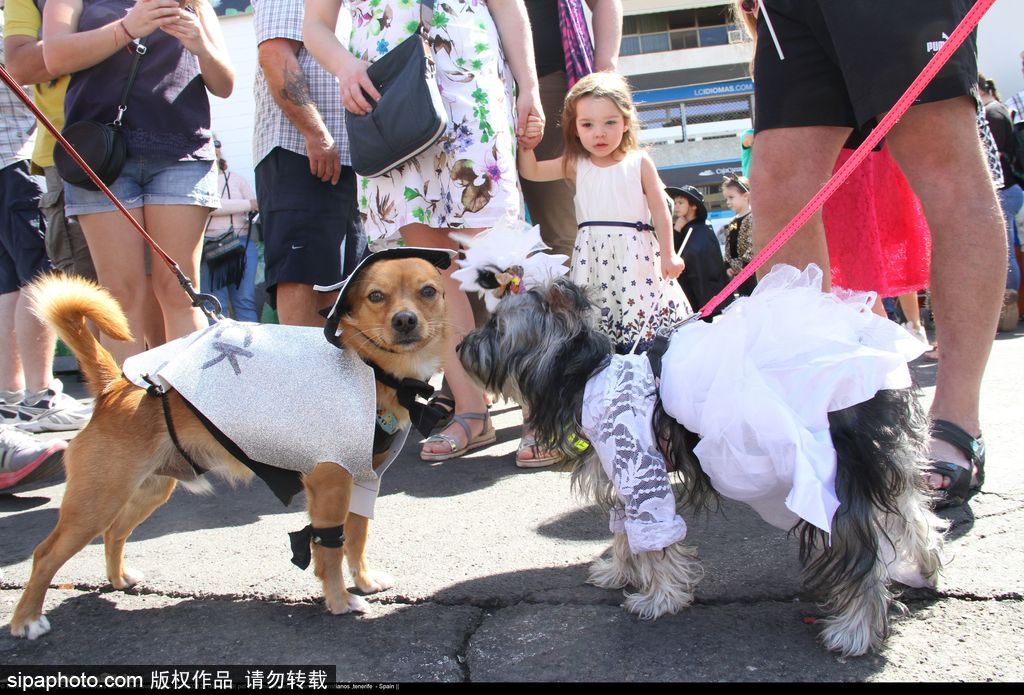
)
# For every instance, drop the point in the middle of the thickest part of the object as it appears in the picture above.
(410, 116)
(101, 145)
(224, 255)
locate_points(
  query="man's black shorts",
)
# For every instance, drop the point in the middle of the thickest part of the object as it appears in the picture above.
(22, 249)
(848, 61)
(305, 222)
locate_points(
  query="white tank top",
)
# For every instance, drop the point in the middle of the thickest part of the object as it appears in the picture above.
(611, 194)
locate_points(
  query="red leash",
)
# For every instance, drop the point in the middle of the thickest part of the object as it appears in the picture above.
(208, 303)
(966, 26)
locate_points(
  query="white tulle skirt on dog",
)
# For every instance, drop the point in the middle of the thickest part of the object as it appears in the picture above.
(757, 386)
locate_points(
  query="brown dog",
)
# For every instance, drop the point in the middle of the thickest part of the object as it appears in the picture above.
(118, 467)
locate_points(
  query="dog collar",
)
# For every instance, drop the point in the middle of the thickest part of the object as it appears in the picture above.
(422, 415)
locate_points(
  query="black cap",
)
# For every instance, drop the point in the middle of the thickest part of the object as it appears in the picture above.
(441, 258)
(691, 194)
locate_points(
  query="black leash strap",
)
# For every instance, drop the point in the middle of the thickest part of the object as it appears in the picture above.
(155, 390)
(638, 226)
(301, 540)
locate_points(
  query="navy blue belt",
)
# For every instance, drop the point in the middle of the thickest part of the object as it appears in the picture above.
(638, 226)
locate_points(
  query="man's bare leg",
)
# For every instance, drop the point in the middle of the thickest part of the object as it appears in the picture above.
(790, 166)
(300, 305)
(938, 148)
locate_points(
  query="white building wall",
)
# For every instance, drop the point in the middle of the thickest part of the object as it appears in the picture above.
(233, 118)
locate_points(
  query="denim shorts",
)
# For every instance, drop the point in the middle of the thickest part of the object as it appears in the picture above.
(149, 182)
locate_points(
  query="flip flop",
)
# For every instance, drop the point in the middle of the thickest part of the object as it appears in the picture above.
(487, 436)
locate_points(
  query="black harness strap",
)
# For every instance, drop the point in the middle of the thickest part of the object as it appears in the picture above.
(656, 353)
(155, 390)
(382, 439)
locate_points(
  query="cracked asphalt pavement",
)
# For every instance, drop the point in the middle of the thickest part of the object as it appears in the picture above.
(490, 567)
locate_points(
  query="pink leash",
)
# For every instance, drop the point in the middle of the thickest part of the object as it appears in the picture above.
(208, 303)
(966, 26)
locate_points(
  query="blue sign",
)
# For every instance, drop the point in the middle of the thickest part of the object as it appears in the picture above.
(696, 91)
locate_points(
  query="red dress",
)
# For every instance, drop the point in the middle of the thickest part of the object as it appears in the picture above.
(877, 236)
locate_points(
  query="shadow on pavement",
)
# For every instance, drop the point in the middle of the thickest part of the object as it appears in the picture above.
(579, 636)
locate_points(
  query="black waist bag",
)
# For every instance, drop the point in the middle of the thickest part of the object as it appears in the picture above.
(408, 119)
(102, 147)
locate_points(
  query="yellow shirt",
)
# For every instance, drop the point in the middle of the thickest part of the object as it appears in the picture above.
(22, 18)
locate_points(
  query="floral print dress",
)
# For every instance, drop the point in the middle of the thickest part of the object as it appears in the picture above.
(468, 178)
(622, 266)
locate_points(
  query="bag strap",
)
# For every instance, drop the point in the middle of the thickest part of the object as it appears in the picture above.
(227, 189)
(140, 50)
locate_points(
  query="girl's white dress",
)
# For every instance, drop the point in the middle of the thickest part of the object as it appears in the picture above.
(622, 266)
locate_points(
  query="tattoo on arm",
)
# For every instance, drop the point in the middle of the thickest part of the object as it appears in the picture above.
(295, 88)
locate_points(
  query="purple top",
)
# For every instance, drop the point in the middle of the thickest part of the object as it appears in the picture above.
(168, 114)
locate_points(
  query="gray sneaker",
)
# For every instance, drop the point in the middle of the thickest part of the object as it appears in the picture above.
(9, 402)
(52, 410)
(25, 459)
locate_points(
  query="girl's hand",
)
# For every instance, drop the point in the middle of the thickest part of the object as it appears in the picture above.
(530, 117)
(149, 15)
(532, 132)
(354, 81)
(187, 28)
(672, 265)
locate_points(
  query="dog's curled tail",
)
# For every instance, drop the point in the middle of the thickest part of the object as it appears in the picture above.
(65, 301)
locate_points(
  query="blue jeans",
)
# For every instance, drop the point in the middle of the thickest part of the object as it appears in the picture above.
(1010, 200)
(243, 295)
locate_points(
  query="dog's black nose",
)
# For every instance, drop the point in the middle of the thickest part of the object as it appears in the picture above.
(404, 322)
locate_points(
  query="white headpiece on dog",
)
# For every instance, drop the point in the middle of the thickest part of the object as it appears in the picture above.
(506, 259)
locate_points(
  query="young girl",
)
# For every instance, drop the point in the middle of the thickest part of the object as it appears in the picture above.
(739, 243)
(627, 262)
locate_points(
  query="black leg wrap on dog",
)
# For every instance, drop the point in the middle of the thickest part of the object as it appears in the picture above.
(302, 554)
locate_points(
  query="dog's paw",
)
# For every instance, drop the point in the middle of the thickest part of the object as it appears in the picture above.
(372, 582)
(128, 579)
(651, 606)
(850, 638)
(350, 603)
(358, 604)
(32, 630)
(607, 573)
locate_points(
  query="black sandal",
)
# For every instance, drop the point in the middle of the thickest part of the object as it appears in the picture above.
(960, 488)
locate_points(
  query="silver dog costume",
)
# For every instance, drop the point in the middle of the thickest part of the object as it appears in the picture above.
(258, 384)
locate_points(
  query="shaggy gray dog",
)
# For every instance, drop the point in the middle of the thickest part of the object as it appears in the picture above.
(540, 348)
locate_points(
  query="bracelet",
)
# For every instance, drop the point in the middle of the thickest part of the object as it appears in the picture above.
(127, 33)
